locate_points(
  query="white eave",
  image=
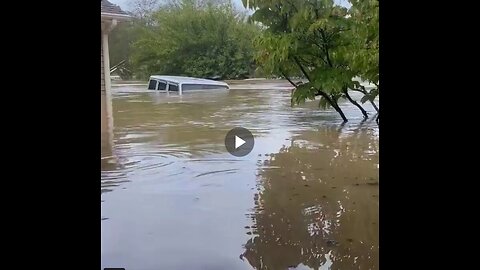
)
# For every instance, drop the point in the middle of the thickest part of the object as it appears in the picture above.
(114, 16)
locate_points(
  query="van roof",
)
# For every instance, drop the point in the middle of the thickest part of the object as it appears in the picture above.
(186, 80)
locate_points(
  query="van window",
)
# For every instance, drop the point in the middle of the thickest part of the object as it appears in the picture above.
(152, 85)
(186, 87)
(172, 87)
(162, 86)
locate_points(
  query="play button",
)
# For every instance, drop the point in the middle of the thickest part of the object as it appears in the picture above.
(239, 142)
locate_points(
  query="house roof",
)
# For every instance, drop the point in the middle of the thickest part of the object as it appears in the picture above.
(111, 9)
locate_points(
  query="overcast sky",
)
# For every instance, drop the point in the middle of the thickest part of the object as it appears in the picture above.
(124, 4)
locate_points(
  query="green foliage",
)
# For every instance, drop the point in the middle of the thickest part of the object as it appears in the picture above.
(190, 39)
(364, 47)
(273, 52)
(307, 34)
(121, 40)
(365, 39)
(370, 95)
(303, 92)
(318, 39)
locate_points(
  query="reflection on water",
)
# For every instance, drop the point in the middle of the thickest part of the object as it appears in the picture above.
(318, 204)
(173, 198)
(110, 165)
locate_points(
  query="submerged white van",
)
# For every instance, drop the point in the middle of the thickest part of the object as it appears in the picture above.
(182, 84)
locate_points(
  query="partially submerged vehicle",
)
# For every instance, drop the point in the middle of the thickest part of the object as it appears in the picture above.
(180, 84)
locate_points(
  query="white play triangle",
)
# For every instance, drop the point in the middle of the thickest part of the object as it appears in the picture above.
(238, 142)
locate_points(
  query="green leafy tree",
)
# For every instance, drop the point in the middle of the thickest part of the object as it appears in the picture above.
(364, 51)
(312, 38)
(121, 41)
(197, 39)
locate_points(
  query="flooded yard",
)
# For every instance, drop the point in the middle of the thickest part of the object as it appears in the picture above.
(306, 197)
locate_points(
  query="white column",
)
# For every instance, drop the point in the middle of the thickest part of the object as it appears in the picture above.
(106, 62)
(106, 28)
(106, 71)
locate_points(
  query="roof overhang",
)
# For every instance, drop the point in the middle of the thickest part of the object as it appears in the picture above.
(113, 16)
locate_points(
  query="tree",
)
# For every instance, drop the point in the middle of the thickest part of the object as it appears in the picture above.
(196, 39)
(121, 46)
(312, 38)
(142, 9)
(123, 36)
(364, 50)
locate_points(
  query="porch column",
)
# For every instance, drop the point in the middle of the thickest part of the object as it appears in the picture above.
(107, 113)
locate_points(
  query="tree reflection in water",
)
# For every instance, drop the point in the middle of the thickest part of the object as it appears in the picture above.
(317, 205)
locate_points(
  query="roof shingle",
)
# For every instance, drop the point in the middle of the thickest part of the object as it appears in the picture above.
(108, 7)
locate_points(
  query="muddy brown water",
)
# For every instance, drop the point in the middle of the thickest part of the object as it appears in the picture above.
(306, 197)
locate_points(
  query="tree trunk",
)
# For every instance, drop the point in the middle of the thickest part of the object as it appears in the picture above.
(294, 87)
(288, 79)
(365, 115)
(365, 93)
(335, 106)
(323, 94)
(374, 105)
(339, 110)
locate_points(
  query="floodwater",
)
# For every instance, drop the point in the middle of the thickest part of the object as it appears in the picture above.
(306, 197)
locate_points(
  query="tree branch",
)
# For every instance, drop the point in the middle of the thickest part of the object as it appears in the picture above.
(320, 47)
(325, 47)
(301, 68)
(288, 79)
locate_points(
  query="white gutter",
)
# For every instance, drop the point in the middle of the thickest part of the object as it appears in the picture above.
(116, 16)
